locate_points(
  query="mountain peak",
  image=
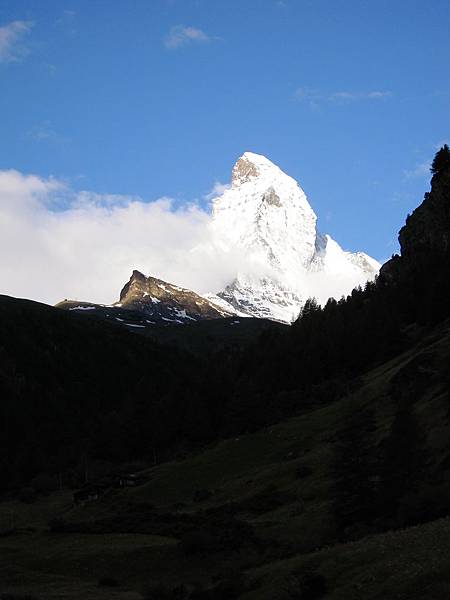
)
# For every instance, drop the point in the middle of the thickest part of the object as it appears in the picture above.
(137, 275)
(265, 217)
(166, 302)
(244, 170)
(251, 166)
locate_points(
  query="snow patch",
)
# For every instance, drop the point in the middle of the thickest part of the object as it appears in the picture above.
(183, 314)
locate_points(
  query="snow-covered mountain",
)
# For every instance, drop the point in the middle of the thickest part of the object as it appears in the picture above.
(266, 216)
(264, 219)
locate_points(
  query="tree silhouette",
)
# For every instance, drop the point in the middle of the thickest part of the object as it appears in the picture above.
(441, 160)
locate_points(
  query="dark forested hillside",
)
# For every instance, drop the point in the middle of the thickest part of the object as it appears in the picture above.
(73, 390)
(76, 390)
(326, 348)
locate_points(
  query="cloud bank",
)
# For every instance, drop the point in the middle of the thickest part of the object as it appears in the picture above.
(420, 170)
(56, 243)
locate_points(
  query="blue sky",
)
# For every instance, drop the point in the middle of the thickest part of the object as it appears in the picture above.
(159, 97)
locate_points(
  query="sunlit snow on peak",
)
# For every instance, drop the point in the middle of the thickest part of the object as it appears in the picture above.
(265, 215)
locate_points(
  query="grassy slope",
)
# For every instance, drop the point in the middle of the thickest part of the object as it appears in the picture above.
(409, 564)
(406, 564)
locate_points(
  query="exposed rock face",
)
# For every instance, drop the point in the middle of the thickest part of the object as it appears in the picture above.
(428, 228)
(243, 171)
(147, 301)
(165, 301)
(419, 278)
(425, 238)
(271, 198)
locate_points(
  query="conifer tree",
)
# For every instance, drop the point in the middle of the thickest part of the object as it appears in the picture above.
(441, 160)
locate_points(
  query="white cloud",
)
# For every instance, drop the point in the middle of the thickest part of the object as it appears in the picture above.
(420, 170)
(357, 96)
(179, 35)
(11, 35)
(376, 95)
(217, 190)
(56, 243)
(423, 169)
(310, 96)
(44, 132)
(315, 97)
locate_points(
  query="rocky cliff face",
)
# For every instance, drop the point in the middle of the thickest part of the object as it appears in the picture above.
(428, 228)
(419, 278)
(425, 237)
(164, 301)
(147, 301)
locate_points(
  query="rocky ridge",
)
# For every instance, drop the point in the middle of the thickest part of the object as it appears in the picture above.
(159, 299)
(146, 301)
(424, 239)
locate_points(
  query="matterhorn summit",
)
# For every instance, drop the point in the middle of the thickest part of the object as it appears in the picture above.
(264, 224)
(265, 218)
